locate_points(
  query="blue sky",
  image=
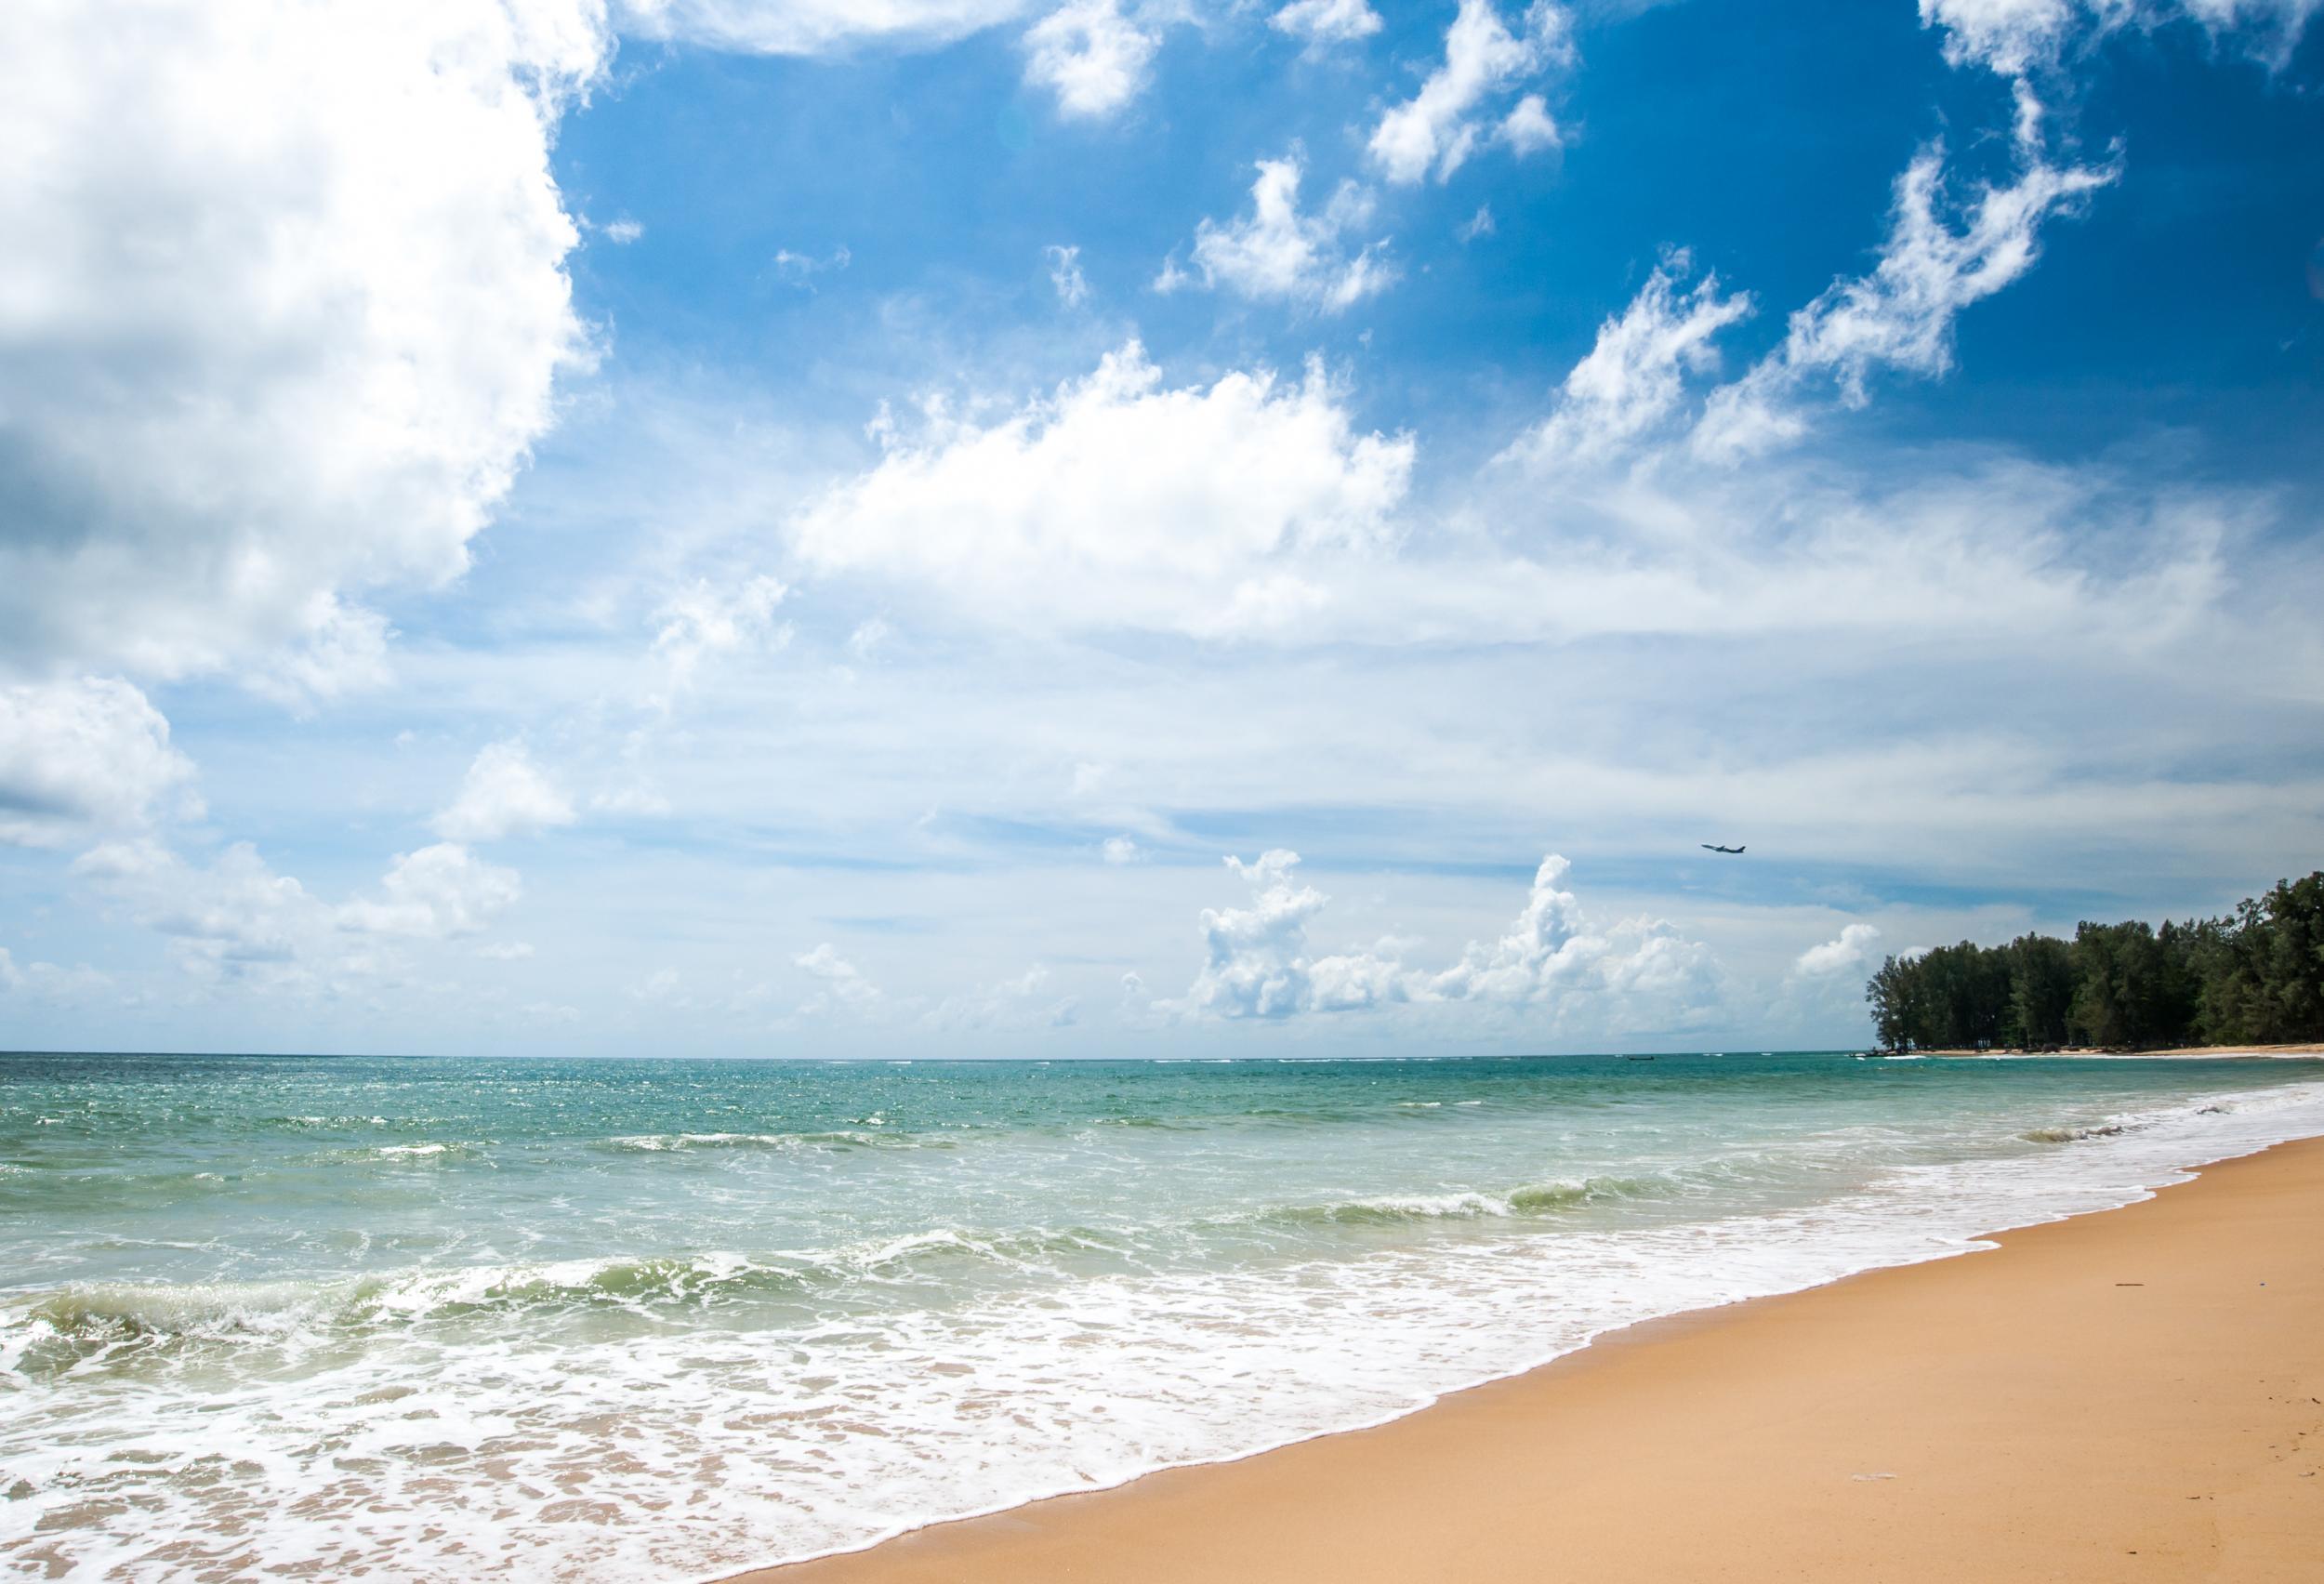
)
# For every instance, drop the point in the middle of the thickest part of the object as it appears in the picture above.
(966, 527)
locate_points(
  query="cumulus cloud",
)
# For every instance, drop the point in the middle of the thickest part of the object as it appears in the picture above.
(1439, 127)
(1277, 254)
(254, 362)
(1529, 129)
(235, 917)
(843, 983)
(1551, 962)
(434, 893)
(1634, 973)
(1090, 56)
(1901, 315)
(1121, 501)
(1256, 962)
(1120, 850)
(1634, 376)
(1322, 22)
(1249, 510)
(504, 794)
(82, 757)
(1846, 954)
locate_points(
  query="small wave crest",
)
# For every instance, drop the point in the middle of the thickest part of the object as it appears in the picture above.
(832, 1139)
(1531, 1199)
(68, 1326)
(2072, 1135)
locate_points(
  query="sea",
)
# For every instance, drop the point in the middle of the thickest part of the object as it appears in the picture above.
(647, 1319)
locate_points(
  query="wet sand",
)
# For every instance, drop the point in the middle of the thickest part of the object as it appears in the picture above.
(2127, 1396)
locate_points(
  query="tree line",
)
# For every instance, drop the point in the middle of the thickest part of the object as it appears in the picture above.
(2255, 977)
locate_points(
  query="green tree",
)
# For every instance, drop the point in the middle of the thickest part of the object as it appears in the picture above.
(2041, 992)
(2257, 976)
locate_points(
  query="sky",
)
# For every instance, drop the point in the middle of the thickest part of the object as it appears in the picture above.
(1212, 527)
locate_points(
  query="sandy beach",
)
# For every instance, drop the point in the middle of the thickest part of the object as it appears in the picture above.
(2132, 1395)
(2175, 1054)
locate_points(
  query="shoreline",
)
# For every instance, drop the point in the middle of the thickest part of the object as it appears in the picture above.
(1342, 1505)
(2299, 1053)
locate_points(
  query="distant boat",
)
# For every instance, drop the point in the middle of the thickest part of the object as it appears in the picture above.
(1637, 1057)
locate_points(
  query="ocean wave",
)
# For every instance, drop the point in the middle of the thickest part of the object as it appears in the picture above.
(829, 1139)
(2072, 1135)
(1531, 1199)
(66, 1327)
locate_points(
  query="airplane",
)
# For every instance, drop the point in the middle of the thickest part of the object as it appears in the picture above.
(1714, 847)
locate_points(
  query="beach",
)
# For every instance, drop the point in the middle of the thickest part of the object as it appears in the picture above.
(2136, 1394)
(2308, 1053)
(575, 1321)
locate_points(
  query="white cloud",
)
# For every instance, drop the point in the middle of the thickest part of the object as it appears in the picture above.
(843, 983)
(1322, 22)
(340, 649)
(281, 310)
(1065, 274)
(799, 269)
(505, 950)
(1256, 963)
(1901, 315)
(1847, 954)
(504, 795)
(1119, 849)
(433, 893)
(82, 757)
(1477, 225)
(1551, 962)
(2019, 37)
(1635, 973)
(1090, 56)
(661, 988)
(48, 982)
(1121, 501)
(1276, 253)
(622, 231)
(707, 618)
(1634, 376)
(1439, 127)
(814, 27)
(1529, 129)
(1012, 1003)
(2009, 35)
(235, 918)
(642, 802)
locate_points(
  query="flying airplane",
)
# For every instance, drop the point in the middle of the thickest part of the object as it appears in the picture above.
(1714, 847)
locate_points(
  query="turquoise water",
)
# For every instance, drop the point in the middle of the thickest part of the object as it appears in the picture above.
(660, 1319)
